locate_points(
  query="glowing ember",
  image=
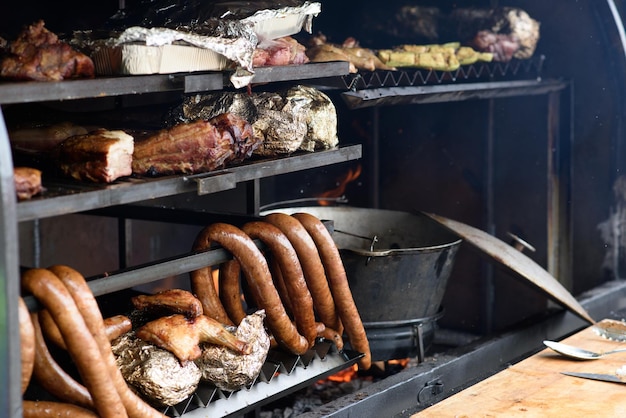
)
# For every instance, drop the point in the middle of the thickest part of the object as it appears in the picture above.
(400, 362)
(338, 191)
(345, 375)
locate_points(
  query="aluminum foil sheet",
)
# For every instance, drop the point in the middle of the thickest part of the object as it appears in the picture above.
(155, 373)
(231, 371)
(319, 114)
(308, 10)
(300, 118)
(239, 49)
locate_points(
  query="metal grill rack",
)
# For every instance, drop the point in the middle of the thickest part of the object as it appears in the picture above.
(282, 373)
(483, 71)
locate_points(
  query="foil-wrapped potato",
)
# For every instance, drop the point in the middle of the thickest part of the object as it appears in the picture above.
(232, 371)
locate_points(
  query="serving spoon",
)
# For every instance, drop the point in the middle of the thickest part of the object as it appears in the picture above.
(579, 353)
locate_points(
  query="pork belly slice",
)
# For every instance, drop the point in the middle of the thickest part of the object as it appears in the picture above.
(99, 156)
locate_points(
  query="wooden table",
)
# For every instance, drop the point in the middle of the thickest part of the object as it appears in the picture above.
(535, 387)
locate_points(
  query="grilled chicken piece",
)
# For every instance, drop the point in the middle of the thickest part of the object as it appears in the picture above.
(182, 336)
(172, 301)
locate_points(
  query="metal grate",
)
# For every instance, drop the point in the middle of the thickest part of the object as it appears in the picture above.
(282, 374)
(484, 71)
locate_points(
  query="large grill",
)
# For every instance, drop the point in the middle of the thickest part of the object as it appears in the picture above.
(558, 89)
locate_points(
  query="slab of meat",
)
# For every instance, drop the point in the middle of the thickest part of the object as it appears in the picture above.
(99, 156)
(38, 54)
(281, 51)
(27, 182)
(195, 147)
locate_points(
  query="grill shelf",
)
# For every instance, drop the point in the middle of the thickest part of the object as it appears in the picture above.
(281, 374)
(482, 71)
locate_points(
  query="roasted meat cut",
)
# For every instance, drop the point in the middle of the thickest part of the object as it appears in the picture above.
(38, 54)
(99, 156)
(171, 301)
(27, 182)
(194, 147)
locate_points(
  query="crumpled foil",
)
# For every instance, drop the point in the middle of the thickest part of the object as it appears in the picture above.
(309, 10)
(155, 373)
(319, 114)
(299, 118)
(239, 48)
(232, 371)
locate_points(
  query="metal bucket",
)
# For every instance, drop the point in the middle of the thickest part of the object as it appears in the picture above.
(402, 276)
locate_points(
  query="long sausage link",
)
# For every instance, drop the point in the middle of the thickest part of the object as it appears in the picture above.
(203, 287)
(279, 282)
(291, 270)
(311, 266)
(54, 296)
(330, 334)
(88, 307)
(27, 343)
(230, 290)
(51, 375)
(336, 273)
(50, 409)
(114, 326)
(257, 274)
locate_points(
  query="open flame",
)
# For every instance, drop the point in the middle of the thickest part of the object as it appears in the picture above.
(384, 368)
(344, 375)
(339, 191)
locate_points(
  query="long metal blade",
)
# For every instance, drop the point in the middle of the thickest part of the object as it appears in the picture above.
(596, 376)
(516, 261)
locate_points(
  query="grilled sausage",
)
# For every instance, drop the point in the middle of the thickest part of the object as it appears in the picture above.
(330, 334)
(336, 273)
(287, 260)
(279, 282)
(257, 274)
(117, 325)
(311, 266)
(88, 307)
(203, 287)
(51, 375)
(27, 343)
(113, 326)
(49, 409)
(54, 296)
(230, 290)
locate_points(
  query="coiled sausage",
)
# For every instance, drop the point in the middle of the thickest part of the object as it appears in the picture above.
(291, 271)
(336, 273)
(88, 307)
(84, 350)
(312, 266)
(51, 375)
(114, 326)
(27, 343)
(49, 409)
(230, 290)
(257, 274)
